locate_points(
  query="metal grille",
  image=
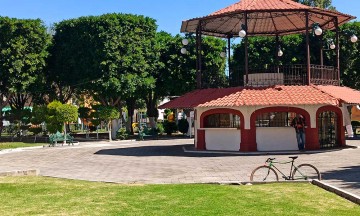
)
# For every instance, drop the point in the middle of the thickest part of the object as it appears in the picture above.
(285, 75)
(275, 119)
(327, 130)
(222, 121)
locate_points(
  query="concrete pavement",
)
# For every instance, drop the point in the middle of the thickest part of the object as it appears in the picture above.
(164, 161)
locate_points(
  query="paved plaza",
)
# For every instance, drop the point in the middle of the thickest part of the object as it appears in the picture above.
(165, 161)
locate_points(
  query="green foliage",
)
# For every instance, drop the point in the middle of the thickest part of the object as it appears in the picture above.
(84, 112)
(169, 127)
(316, 3)
(38, 115)
(122, 134)
(35, 130)
(67, 113)
(23, 51)
(183, 126)
(18, 116)
(107, 113)
(52, 122)
(108, 53)
(160, 128)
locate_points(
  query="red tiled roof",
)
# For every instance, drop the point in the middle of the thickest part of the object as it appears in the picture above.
(197, 97)
(265, 17)
(345, 94)
(250, 5)
(253, 96)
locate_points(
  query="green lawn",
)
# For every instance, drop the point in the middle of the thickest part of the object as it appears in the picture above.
(10, 145)
(50, 196)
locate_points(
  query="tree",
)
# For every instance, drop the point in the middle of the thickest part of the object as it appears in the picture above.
(107, 113)
(101, 51)
(66, 113)
(175, 73)
(84, 115)
(316, 3)
(24, 44)
(52, 122)
(38, 117)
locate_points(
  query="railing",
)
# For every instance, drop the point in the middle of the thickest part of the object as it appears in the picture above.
(285, 75)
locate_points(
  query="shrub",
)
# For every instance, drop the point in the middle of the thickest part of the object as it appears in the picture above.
(35, 130)
(122, 134)
(160, 128)
(183, 126)
(169, 127)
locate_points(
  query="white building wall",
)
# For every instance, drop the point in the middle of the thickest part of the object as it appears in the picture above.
(276, 139)
(226, 139)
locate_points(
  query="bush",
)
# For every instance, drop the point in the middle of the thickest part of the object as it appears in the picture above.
(183, 126)
(122, 134)
(169, 127)
(160, 128)
(92, 128)
(35, 130)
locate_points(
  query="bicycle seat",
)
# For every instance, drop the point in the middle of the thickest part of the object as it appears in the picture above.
(294, 157)
(270, 159)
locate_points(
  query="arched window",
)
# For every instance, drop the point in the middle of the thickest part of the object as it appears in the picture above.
(275, 119)
(222, 120)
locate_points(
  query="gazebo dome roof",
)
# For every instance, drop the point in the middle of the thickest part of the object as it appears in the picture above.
(264, 17)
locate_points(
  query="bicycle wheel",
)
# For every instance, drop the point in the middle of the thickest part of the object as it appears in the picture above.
(264, 174)
(306, 172)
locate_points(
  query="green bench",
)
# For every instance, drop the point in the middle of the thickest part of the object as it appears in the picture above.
(59, 137)
(144, 132)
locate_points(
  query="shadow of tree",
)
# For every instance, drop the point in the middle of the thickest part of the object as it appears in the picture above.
(348, 176)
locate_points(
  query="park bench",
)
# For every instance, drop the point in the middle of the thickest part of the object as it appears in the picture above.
(59, 137)
(144, 132)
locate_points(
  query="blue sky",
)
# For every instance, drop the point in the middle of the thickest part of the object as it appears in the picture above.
(168, 13)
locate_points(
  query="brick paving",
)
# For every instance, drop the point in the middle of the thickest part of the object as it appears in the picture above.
(164, 161)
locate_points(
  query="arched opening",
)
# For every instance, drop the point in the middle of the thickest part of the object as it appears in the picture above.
(274, 131)
(328, 129)
(222, 129)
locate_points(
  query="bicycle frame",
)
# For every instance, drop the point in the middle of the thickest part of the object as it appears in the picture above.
(272, 163)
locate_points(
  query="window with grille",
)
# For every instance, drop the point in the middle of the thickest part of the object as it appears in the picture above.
(275, 119)
(222, 120)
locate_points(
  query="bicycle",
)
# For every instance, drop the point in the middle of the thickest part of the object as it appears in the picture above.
(268, 172)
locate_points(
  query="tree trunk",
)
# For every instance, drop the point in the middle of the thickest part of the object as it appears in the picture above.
(64, 133)
(115, 127)
(151, 106)
(130, 105)
(109, 128)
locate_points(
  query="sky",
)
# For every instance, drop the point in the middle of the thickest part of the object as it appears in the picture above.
(168, 13)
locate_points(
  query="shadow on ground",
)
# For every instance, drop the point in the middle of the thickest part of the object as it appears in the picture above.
(350, 176)
(171, 150)
(178, 150)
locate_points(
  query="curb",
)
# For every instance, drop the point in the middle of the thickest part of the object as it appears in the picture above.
(260, 153)
(349, 196)
(34, 172)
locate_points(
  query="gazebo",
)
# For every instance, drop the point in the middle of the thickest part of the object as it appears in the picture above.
(272, 18)
(256, 116)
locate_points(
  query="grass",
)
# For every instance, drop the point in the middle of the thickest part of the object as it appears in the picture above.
(11, 145)
(51, 196)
